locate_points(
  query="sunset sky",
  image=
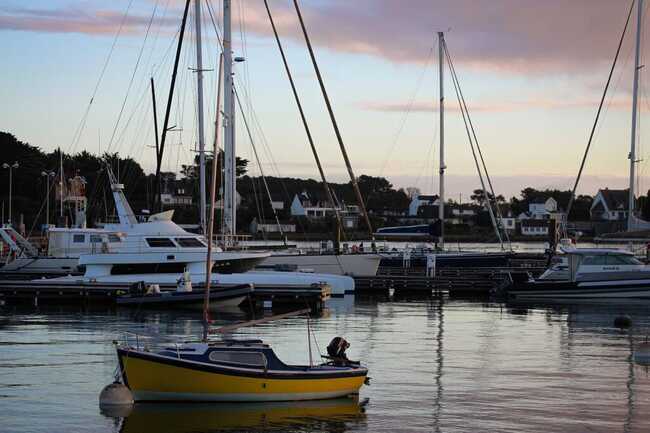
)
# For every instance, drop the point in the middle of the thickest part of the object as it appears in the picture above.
(532, 73)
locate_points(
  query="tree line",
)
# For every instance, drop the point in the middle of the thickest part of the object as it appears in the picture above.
(382, 199)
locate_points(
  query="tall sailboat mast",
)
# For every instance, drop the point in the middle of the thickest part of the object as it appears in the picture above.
(633, 161)
(199, 100)
(230, 192)
(441, 199)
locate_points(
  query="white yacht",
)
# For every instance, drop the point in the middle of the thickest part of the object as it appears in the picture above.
(159, 252)
(64, 245)
(589, 273)
(153, 238)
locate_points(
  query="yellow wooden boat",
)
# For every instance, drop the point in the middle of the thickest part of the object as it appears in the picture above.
(232, 371)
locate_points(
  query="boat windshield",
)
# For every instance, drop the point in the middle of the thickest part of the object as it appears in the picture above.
(610, 260)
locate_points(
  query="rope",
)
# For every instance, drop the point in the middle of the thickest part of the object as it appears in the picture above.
(478, 148)
(471, 144)
(266, 185)
(344, 152)
(328, 192)
(593, 128)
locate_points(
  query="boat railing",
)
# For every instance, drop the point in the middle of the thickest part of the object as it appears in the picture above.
(144, 340)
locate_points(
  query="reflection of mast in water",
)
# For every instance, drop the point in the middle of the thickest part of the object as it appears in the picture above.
(629, 384)
(437, 408)
(366, 351)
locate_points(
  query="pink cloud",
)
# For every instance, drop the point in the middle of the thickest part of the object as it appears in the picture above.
(492, 106)
(513, 36)
(73, 20)
(507, 35)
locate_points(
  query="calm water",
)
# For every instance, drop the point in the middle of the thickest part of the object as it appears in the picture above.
(448, 366)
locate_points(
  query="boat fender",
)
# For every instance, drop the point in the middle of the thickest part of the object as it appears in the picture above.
(623, 321)
(366, 381)
(115, 394)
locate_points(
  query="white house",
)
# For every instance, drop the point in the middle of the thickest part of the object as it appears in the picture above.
(270, 226)
(461, 215)
(610, 205)
(421, 200)
(540, 209)
(508, 223)
(303, 205)
(534, 227)
(277, 204)
(219, 203)
(176, 199)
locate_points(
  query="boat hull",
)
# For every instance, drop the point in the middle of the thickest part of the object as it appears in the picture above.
(452, 260)
(335, 264)
(152, 377)
(565, 290)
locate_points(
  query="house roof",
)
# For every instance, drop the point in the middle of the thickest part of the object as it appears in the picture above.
(616, 199)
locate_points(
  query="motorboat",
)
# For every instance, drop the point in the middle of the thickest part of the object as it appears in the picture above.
(156, 240)
(585, 273)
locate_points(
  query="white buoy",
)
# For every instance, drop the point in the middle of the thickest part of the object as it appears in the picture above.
(642, 354)
(115, 394)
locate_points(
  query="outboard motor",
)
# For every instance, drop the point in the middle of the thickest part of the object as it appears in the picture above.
(137, 289)
(336, 350)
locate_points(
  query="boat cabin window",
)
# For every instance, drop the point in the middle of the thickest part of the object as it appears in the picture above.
(160, 242)
(255, 359)
(114, 238)
(594, 260)
(95, 239)
(621, 259)
(190, 242)
(78, 239)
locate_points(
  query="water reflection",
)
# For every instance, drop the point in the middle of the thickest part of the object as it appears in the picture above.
(338, 415)
(437, 364)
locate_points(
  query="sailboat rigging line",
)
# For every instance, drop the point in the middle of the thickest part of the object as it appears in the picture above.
(259, 164)
(407, 111)
(471, 145)
(77, 135)
(344, 152)
(169, 106)
(478, 147)
(213, 193)
(256, 123)
(303, 118)
(135, 70)
(595, 124)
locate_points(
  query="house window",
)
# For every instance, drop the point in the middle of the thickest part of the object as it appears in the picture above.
(255, 359)
(160, 243)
